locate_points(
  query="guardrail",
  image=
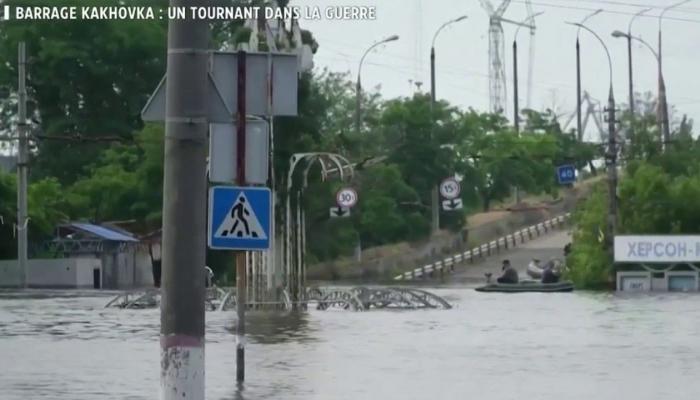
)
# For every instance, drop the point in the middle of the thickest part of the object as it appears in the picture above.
(487, 249)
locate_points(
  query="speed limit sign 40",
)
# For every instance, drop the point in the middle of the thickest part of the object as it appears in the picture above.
(450, 189)
(346, 197)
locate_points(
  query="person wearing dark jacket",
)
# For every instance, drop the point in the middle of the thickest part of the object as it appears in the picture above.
(510, 275)
(549, 275)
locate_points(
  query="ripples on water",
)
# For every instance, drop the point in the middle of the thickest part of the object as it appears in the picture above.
(489, 346)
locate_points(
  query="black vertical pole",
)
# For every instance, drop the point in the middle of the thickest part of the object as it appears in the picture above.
(579, 133)
(240, 255)
(516, 108)
(631, 81)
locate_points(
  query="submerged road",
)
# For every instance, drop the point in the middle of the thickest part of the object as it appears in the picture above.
(542, 248)
(489, 346)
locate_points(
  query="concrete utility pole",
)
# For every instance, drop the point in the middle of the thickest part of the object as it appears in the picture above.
(22, 166)
(184, 208)
(611, 161)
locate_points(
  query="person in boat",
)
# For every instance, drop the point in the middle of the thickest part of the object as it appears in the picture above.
(510, 275)
(549, 275)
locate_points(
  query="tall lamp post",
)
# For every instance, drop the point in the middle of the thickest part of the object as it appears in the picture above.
(629, 58)
(358, 90)
(611, 157)
(578, 76)
(434, 197)
(516, 105)
(663, 104)
(432, 56)
(619, 34)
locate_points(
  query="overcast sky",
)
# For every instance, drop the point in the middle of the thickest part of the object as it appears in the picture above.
(462, 50)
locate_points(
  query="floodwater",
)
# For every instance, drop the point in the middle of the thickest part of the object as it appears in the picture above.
(489, 346)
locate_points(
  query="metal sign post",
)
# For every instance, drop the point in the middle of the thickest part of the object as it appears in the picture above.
(240, 255)
(227, 99)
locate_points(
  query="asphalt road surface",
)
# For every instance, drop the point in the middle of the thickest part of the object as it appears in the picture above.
(542, 248)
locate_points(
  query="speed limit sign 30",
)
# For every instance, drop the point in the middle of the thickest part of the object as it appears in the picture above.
(346, 197)
(450, 189)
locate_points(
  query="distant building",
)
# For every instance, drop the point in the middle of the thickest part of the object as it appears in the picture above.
(117, 250)
(84, 255)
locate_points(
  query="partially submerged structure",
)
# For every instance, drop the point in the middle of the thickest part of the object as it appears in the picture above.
(116, 249)
(85, 255)
(657, 263)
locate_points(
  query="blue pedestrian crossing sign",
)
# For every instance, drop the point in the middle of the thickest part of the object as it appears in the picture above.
(239, 218)
(566, 174)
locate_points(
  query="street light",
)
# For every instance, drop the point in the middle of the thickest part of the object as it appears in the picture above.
(629, 57)
(618, 34)
(358, 90)
(432, 56)
(611, 159)
(578, 74)
(516, 106)
(434, 196)
(663, 104)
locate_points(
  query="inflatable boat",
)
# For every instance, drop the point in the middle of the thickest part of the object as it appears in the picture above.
(527, 286)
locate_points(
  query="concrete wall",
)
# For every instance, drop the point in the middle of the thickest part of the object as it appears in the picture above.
(123, 271)
(644, 281)
(143, 269)
(130, 268)
(51, 273)
(9, 273)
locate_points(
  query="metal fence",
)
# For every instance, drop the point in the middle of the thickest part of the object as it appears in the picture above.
(487, 249)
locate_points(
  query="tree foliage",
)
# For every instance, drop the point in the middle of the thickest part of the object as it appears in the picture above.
(656, 195)
(96, 160)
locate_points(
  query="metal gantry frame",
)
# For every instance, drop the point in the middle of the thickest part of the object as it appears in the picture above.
(294, 222)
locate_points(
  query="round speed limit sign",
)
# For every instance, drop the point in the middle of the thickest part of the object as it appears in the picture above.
(346, 197)
(450, 189)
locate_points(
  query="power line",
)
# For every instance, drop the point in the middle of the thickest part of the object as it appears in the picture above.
(606, 11)
(635, 5)
(450, 70)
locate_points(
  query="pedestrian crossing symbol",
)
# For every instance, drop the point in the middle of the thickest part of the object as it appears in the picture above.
(239, 218)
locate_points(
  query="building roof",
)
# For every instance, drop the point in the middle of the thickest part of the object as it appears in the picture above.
(102, 232)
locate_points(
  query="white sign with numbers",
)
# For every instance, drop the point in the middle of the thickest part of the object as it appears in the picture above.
(450, 188)
(346, 197)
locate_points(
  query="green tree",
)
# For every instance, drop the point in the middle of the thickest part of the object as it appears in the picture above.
(86, 78)
(494, 159)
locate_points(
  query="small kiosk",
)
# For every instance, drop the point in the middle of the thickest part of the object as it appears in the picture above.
(657, 263)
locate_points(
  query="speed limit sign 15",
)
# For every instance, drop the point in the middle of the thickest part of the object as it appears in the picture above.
(346, 197)
(450, 189)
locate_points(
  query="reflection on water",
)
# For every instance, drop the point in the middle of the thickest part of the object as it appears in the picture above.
(490, 346)
(276, 327)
